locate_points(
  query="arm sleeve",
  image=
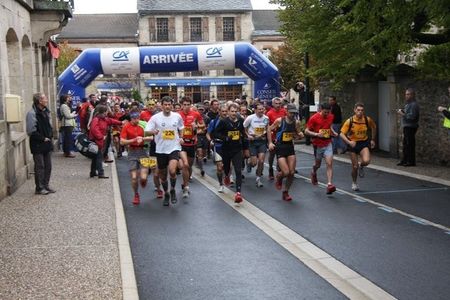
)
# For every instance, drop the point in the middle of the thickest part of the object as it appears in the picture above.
(346, 126)
(413, 113)
(31, 123)
(65, 111)
(95, 129)
(446, 114)
(247, 121)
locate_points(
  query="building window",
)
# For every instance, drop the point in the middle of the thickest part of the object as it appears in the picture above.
(229, 92)
(229, 72)
(228, 29)
(162, 29)
(196, 29)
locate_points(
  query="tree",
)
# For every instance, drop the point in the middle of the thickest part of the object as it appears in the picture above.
(289, 62)
(66, 57)
(344, 36)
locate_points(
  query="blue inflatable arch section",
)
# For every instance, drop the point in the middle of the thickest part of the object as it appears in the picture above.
(92, 62)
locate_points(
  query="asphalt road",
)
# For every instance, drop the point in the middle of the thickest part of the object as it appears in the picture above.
(203, 249)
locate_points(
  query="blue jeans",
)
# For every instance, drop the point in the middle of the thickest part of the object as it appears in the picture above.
(337, 142)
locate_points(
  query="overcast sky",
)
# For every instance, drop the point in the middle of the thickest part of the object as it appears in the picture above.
(129, 6)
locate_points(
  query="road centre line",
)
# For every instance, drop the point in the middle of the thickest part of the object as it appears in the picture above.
(344, 279)
(404, 191)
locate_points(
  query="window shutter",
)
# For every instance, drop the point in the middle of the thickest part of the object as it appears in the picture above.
(172, 37)
(152, 29)
(237, 21)
(219, 29)
(185, 29)
(205, 29)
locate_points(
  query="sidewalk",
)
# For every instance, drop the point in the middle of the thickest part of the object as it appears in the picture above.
(379, 161)
(63, 245)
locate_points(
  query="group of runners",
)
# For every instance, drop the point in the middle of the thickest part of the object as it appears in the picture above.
(168, 142)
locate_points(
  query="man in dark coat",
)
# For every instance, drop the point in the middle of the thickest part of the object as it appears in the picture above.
(40, 131)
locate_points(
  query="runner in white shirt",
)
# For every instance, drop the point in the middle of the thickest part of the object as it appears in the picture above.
(258, 133)
(166, 126)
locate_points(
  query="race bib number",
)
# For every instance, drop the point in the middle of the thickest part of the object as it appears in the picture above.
(325, 132)
(168, 134)
(360, 134)
(287, 136)
(148, 162)
(187, 131)
(234, 135)
(259, 130)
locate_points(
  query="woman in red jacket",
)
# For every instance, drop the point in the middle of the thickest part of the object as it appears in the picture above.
(97, 133)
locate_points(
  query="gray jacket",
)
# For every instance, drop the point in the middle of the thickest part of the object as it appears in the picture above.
(68, 116)
(411, 116)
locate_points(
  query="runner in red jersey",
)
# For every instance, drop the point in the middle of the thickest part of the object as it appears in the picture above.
(319, 127)
(274, 113)
(192, 121)
(148, 112)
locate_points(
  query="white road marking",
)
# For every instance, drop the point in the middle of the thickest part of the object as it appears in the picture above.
(404, 191)
(129, 285)
(344, 279)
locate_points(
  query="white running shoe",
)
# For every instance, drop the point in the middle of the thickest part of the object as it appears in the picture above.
(186, 192)
(355, 186)
(221, 189)
(258, 182)
(231, 179)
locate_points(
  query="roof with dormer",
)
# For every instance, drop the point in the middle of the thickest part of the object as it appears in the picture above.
(190, 6)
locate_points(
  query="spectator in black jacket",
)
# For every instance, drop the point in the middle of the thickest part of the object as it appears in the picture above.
(410, 122)
(40, 131)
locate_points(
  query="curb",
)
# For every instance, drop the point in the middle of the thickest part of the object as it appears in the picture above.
(129, 284)
(387, 170)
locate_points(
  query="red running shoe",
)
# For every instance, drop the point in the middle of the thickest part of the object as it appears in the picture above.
(227, 180)
(159, 194)
(314, 178)
(278, 182)
(286, 196)
(136, 199)
(237, 198)
(330, 189)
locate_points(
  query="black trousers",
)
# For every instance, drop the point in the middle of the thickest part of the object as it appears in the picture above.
(67, 139)
(409, 145)
(97, 164)
(42, 169)
(234, 157)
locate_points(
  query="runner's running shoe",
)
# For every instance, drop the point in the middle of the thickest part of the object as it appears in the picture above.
(221, 189)
(314, 180)
(159, 194)
(166, 199)
(258, 182)
(186, 192)
(237, 198)
(136, 199)
(286, 196)
(173, 196)
(355, 186)
(226, 180)
(271, 177)
(330, 189)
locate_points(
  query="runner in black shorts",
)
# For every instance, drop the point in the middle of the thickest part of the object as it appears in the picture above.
(286, 129)
(166, 126)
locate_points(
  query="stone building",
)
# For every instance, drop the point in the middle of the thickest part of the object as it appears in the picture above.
(195, 22)
(26, 67)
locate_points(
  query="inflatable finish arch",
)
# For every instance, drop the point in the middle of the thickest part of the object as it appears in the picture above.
(92, 62)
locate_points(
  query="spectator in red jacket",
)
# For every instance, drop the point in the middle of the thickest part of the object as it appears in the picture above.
(97, 133)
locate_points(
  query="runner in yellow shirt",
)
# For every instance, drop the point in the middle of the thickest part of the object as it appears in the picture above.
(359, 133)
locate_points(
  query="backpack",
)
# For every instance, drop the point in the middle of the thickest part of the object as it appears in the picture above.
(85, 146)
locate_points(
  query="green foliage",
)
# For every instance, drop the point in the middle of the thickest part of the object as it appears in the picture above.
(290, 65)
(435, 62)
(343, 36)
(66, 56)
(136, 95)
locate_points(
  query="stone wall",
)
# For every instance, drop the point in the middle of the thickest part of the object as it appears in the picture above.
(432, 139)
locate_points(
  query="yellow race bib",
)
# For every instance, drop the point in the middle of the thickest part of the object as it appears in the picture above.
(325, 132)
(168, 134)
(259, 130)
(234, 135)
(287, 136)
(187, 131)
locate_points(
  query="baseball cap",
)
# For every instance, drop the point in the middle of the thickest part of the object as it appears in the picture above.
(292, 108)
